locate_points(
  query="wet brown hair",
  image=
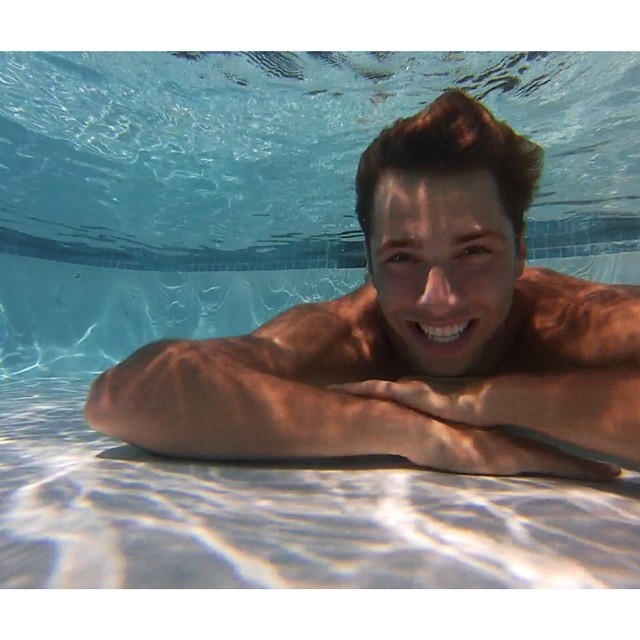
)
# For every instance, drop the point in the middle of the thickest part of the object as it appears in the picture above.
(454, 134)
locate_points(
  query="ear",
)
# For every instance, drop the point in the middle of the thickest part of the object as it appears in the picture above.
(369, 276)
(521, 256)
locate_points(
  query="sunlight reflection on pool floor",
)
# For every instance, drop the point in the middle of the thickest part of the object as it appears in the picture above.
(81, 510)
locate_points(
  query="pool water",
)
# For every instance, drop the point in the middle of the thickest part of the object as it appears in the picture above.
(159, 195)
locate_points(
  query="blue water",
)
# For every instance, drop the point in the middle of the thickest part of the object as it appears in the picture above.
(147, 195)
(151, 195)
(241, 161)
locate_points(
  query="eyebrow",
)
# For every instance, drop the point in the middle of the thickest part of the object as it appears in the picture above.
(398, 243)
(409, 242)
(479, 234)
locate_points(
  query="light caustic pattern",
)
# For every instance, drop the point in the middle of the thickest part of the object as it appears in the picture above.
(81, 510)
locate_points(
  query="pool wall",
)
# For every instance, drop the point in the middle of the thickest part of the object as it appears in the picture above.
(65, 319)
(60, 319)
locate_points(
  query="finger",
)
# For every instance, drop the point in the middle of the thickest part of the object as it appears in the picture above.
(523, 456)
(411, 395)
(370, 388)
(590, 470)
(565, 465)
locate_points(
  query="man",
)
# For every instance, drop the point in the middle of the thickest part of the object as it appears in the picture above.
(450, 340)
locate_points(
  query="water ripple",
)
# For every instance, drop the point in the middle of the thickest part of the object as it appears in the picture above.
(81, 510)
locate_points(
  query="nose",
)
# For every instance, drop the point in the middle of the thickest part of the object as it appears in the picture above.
(438, 292)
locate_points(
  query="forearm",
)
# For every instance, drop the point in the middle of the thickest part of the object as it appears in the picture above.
(597, 409)
(193, 400)
(186, 399)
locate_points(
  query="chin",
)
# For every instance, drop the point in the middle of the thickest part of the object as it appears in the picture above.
(444, 370)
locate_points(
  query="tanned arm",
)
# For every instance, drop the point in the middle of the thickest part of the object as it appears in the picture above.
(255, 396)
(599, 410)
(262, 396)
(583, 383)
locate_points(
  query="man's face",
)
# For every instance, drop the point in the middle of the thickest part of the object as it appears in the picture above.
(444, 262)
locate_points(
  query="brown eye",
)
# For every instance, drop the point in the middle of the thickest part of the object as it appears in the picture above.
(399, 257)
(476, 250)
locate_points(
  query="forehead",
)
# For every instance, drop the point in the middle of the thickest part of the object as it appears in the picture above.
(435, 205)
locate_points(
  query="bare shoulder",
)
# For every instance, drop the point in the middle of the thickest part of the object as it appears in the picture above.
(354, 311)
(546, 280)
(337, 340)
(567, 321)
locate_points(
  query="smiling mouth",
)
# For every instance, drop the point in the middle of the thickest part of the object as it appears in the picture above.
(444, 335)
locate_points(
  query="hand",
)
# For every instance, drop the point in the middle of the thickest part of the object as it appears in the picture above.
(447, 440)
(463, 449)
(457, 399)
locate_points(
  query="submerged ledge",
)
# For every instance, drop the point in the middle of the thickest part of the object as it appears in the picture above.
(80, 510)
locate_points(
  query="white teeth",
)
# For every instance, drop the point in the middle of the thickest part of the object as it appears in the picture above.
(444, 334)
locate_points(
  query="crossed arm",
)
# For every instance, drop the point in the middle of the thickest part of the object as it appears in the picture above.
(264, 396)
(595, 409)
(583, 342)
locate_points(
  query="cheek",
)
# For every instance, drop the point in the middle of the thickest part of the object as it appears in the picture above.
(491, 287)
(389, 297)
(496, 291)
(393, 290)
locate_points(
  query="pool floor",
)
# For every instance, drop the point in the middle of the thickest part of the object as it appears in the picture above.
(80, 510)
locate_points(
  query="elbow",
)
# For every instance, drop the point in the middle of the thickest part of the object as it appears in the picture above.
(155, 398)
(109, 408)
(112, 397)
(106, 413)
(92, 406)
(143, 400)
(99, 409)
